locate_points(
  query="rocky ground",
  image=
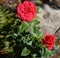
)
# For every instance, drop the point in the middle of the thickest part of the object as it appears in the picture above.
(50, 20)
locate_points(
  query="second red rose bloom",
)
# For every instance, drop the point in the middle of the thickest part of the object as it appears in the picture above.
(49, 41)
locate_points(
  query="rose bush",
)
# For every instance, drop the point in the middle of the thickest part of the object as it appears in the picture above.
(20, 39)
(26, 11)
(49, 41)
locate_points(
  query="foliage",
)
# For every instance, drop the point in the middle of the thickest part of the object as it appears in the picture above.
(21, 39)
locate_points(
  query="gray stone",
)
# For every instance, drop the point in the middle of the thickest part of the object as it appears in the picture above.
(49, 20)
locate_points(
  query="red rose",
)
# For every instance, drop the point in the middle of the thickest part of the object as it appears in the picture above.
(26, 11)
(49, 41)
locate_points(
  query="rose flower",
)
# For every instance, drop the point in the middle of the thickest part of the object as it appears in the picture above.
(49, 41)
(26, 11)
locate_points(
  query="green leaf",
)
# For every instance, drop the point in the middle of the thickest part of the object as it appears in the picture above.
(36, 21)
(23, 26)
(48, 52)
(40, 37)
(25, 40)
(34, 55)
(29, 43)
(6, 17)
(37, 9)
(25, 52)
(6, 43)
